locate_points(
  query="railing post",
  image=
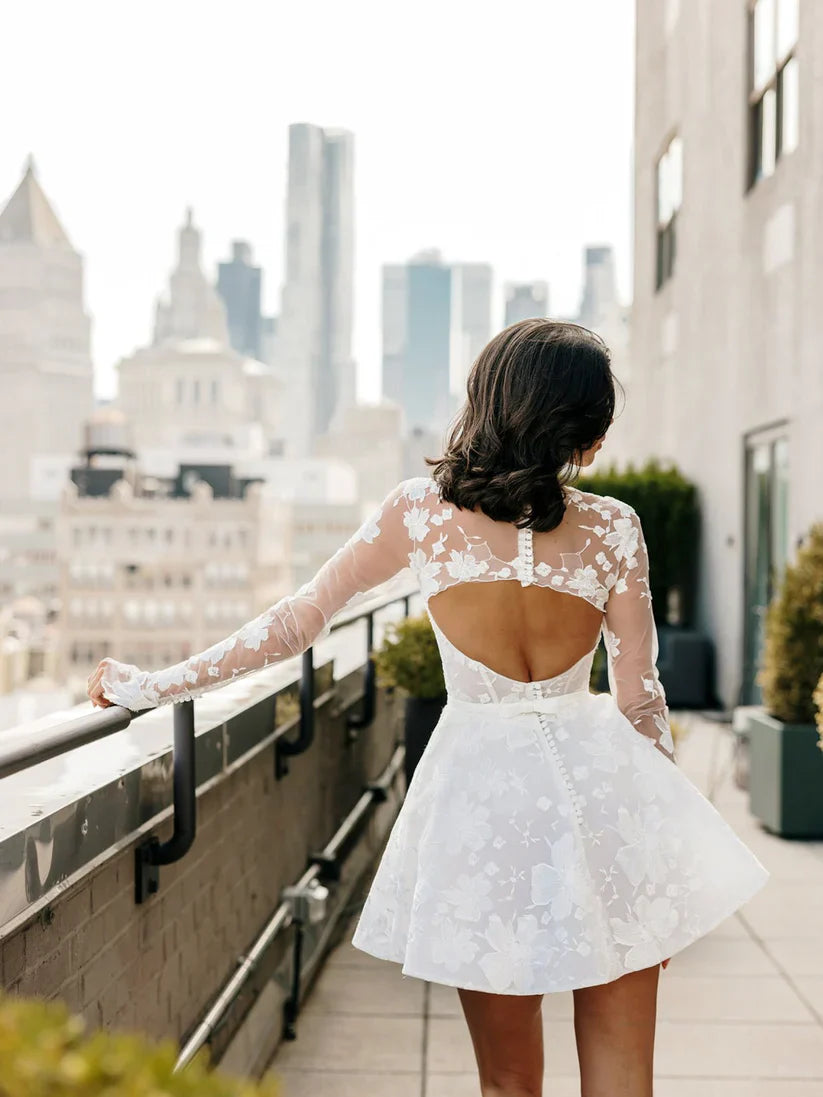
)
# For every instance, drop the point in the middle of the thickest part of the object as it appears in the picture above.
(152, 853)
(284, 748)
(362, 719)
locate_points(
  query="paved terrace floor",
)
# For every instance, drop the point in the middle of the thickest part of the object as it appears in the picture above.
(740, 1012)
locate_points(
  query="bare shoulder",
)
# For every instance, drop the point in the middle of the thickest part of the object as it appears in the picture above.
(605, 506)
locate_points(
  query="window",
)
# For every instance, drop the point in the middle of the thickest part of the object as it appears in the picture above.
(669, 200)
(774, 87)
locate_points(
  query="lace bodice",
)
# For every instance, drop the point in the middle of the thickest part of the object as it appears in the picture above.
(598, 553)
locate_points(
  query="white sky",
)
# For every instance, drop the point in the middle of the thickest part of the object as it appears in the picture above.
(495, 131)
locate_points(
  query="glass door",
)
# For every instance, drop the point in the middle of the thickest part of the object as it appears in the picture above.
(766, 544)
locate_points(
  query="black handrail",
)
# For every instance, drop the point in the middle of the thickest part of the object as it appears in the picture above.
(21, 753)
(150, 854)
(57, 740)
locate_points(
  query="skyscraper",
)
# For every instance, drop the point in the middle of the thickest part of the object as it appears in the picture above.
(436, 319)
(45, 354)
(599, 305)
(470, 321)
(314, 328)
(239, 284)
(526, 300)
(417, 335)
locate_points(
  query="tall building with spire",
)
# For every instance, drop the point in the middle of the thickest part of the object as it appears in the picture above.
(190, 386)
(315, 325)
(46, 374)
(193, 309)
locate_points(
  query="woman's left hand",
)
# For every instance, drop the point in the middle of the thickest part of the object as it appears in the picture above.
(95, 688)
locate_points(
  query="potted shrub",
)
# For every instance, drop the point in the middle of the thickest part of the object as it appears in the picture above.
(409, 659)
(818, 700)
(46, 1052)
(786, 766)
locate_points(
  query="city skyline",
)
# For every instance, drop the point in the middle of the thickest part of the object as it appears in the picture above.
(412, 192)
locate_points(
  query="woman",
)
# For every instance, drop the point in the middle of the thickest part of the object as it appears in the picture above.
(548, 840)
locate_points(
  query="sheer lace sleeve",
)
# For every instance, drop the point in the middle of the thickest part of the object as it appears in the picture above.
(377, 551)
(630, 635)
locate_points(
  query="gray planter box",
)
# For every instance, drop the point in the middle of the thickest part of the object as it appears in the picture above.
(785, 776)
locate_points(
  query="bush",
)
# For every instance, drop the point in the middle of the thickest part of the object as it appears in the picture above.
(793, 652)
(668, 508)
(45, 1052)
(410, 658)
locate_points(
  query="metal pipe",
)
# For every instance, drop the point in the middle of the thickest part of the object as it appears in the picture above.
(185, 788)
(292, 1006)
(18, 752)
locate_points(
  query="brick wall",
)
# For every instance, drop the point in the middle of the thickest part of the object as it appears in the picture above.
(155, 967)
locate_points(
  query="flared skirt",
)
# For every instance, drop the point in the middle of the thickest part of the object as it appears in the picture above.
(542, 852)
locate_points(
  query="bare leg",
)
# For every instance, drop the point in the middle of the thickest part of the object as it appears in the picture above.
(507, 1034)
(614, 1026)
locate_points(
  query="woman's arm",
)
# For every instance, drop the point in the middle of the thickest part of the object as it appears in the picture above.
(630, 636)
(372, 555)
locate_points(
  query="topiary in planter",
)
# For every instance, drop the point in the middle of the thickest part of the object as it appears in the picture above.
(409, 659)
(793, 654)
(46, 1052)
(786, 768)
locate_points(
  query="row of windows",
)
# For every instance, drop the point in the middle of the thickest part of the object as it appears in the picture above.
(135, 579)
(773, 119)
(194, 391)
(153, 612)
(228, 536)
(102, 575)
(98, 573)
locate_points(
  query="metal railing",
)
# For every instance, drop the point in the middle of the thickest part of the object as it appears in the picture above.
(151, 853)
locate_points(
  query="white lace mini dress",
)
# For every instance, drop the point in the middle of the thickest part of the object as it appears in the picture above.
(548, 839)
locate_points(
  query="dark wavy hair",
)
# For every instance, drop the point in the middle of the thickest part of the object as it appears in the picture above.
(539, 394)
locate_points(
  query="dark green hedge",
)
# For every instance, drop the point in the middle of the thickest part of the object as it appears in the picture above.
(669, 511)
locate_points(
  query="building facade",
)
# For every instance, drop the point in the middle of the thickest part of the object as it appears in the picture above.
(370, 440)
(314, 329)
(239, 283)
(726, 328)
(525, 301)
(46, 372)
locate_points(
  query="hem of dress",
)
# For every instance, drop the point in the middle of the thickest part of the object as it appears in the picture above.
(664, 954)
